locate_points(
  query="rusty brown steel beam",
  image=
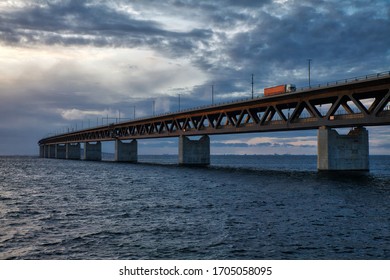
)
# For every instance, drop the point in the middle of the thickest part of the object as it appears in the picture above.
(258, 115)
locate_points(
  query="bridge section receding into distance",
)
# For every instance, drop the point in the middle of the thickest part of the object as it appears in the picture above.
(356, 103)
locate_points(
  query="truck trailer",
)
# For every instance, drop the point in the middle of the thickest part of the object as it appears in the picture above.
(279, 89)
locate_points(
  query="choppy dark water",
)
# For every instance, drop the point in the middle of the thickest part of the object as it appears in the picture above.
(242, 207)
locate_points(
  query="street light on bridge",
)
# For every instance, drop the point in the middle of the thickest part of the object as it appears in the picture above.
(133, 111)
(309, 61)
(212, 94)
(252, 86)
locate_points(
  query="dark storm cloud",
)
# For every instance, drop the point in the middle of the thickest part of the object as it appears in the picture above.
(71, 18)
(227, 40)
(261, 37)
(331, 34)
(85, 23)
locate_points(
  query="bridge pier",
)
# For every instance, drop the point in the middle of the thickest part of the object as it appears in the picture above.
(343, 152)
(41, 151)
(73, 151)
(126, 152)
(51, 153)
(46, 151)
(194, 152)
(60, 151)
(93, 151)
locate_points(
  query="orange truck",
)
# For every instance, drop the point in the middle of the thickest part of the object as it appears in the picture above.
(279, 89)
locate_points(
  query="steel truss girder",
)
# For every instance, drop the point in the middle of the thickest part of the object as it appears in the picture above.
(358, 104)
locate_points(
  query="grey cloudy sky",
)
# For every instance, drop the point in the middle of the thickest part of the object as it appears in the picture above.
(71, 63)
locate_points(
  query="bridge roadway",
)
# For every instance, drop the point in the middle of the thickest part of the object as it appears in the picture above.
(358, 102)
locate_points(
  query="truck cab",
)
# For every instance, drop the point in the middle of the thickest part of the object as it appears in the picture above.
(290, 88)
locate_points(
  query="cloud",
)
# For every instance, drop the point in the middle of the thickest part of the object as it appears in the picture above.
(76, 114)
(91, 23)
(220, 37)
(60, 60)
(306, 142)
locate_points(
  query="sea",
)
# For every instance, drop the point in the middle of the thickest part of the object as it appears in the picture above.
(240, 207)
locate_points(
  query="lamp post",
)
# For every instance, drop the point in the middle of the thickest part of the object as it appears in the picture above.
(212, 94)
(309, 61)
(133, 112)
(252, 86)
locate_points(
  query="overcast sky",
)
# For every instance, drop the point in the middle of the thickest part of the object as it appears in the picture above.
(68, 64)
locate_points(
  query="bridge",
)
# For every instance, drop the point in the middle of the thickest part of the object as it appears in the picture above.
(352, 103)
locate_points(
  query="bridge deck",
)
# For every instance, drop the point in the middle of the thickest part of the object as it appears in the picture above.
(361, 102)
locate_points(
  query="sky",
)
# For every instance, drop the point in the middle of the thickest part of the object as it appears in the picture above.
(67, 64)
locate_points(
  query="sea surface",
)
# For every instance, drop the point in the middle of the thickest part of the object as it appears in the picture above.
(240, 207)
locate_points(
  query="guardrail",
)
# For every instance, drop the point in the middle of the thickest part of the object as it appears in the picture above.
(324, 85)
(328, 84)
(348, 80)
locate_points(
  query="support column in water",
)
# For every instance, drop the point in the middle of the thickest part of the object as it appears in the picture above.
(194, 152)
(126, 152)
(41, 151)
(46, 151)
(52, 151)
(73, 151)
(60, 151)
(343, 152)
(93, 151)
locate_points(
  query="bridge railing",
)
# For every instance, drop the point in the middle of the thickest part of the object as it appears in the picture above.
(334, 83)
(348, 80)
(323, 85)
(328, 84)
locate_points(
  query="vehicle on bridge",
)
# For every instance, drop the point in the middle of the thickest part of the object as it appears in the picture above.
(279, 89)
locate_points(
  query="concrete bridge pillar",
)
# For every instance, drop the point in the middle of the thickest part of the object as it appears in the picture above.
(45, 151)
(126, 152)
(343, 152)
(41, 151)
(194, 152)
(51, 151)
(93, 151)
(73, 151)
(60, 151)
